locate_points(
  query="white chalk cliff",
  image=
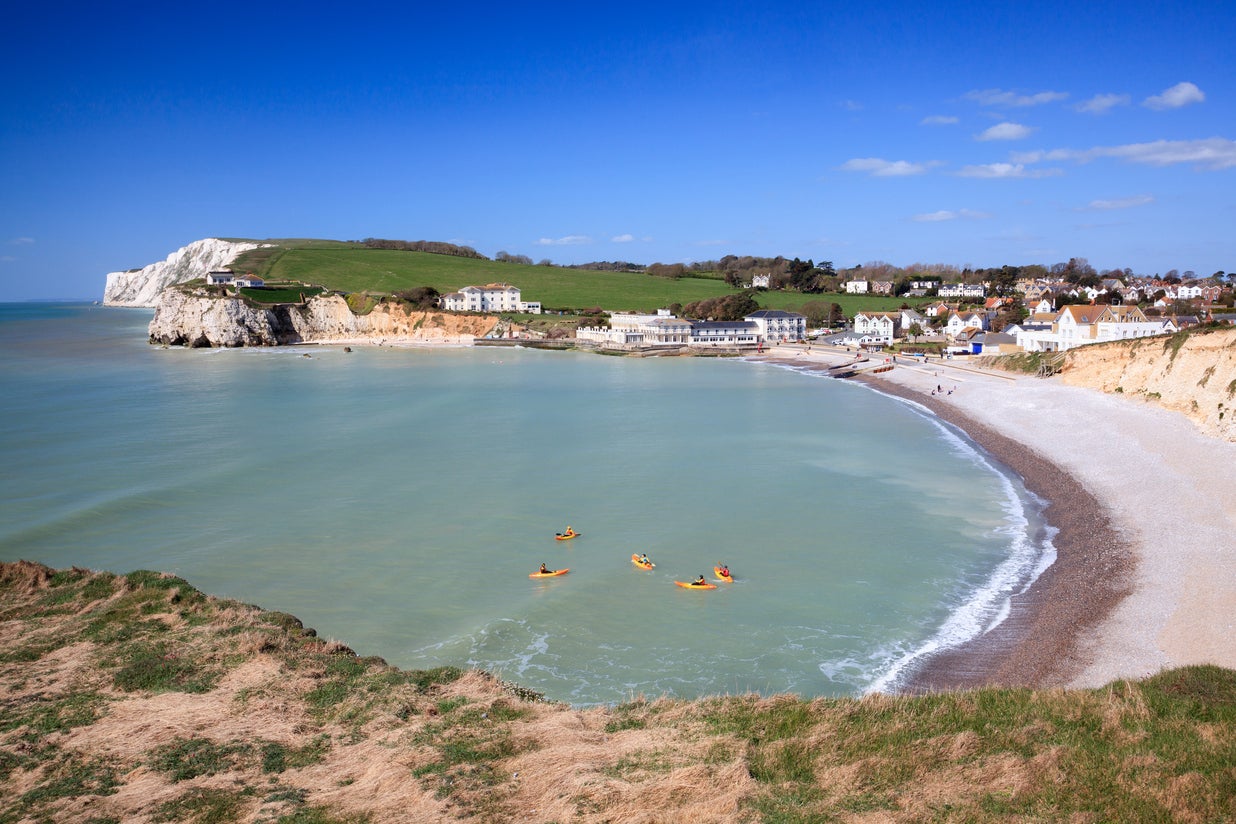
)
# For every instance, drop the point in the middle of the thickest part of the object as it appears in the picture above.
(192, 317)
(141, 287)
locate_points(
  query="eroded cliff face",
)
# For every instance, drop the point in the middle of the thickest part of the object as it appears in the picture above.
(186, 317)
(142, 287)
(1194, 375)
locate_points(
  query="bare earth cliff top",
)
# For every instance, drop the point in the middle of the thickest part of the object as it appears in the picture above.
(137, 698)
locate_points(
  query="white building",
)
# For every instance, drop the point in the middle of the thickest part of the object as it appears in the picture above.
(493, 297)
(1078, 325)
(777, 326)
(879, 327)
(634, 330)
(221, 278)
(856, 287)
(962, 290)
(965, 320)
(251, 281)
(707, 333)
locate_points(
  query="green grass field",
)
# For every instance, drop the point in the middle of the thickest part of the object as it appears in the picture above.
(350, 267)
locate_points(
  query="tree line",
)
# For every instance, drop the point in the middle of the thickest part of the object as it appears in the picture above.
(435, 247)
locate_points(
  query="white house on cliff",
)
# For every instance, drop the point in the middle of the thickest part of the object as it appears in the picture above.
(493, 297)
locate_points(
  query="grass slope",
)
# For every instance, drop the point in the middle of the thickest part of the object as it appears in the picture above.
(350, 267)
(137, 697)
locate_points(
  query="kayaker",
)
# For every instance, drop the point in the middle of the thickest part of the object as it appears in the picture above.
(699, 582)
(544, 569)
(725, 571)
(643, 559)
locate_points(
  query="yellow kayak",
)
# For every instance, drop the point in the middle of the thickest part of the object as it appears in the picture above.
(551, 574)
(691, 585)
(635, 560)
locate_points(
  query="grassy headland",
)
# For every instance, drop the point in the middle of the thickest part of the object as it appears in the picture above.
(137, 697)
(353, 267)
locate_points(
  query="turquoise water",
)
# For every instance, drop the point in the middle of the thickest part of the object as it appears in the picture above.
(396, 499)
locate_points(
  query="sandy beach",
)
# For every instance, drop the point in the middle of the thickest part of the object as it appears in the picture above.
(1145, 575)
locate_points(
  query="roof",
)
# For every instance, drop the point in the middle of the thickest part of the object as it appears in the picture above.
(724, 324)
(1083, 313)
(774, 313)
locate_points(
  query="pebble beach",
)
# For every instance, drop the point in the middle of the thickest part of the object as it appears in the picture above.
(1145, 574)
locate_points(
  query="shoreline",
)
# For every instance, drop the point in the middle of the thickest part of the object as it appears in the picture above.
(1037, 644)
(1144, 576)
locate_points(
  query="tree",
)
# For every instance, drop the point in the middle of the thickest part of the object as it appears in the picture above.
(667, 270)
(1005, 278)
(818, 312)
(422, 297)
(836, 317)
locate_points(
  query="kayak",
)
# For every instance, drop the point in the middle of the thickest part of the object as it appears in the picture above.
(721, 577)
(565, 536)
(635, 560)
(551, 574)
(688, 585)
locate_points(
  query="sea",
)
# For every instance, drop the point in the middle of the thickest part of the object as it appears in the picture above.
(396, 499)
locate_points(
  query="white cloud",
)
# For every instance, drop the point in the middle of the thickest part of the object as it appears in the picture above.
(569, 240)
(627, 238)
(997, 97)
(21, 241)
(1005, 170)
(946, 214)
(878, 167)
(1182, 94)
(1005, 131)
(1121, 203)
(939, 120)
(1211, 154)
(1103, 103)
(851, 105)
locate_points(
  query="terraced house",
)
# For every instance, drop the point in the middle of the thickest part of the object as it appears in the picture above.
(1078, 325)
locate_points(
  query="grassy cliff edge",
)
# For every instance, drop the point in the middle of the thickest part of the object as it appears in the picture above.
(137, 698)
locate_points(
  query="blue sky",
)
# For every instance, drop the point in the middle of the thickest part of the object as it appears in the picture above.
(964, 133)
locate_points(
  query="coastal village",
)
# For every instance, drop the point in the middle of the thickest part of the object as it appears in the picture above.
(1040, 316)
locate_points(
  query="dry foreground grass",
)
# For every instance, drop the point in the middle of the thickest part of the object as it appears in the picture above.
(138, 699)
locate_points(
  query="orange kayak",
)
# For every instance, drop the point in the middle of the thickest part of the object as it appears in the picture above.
(635, 560)
(722, 576)
(551, 574)
(565, 536)
(687, 585)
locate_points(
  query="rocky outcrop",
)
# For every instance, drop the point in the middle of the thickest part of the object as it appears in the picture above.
(141, 287)
(1194, 374)
(195, 318)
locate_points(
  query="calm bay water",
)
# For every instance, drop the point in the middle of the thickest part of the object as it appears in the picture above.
(395, 499)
